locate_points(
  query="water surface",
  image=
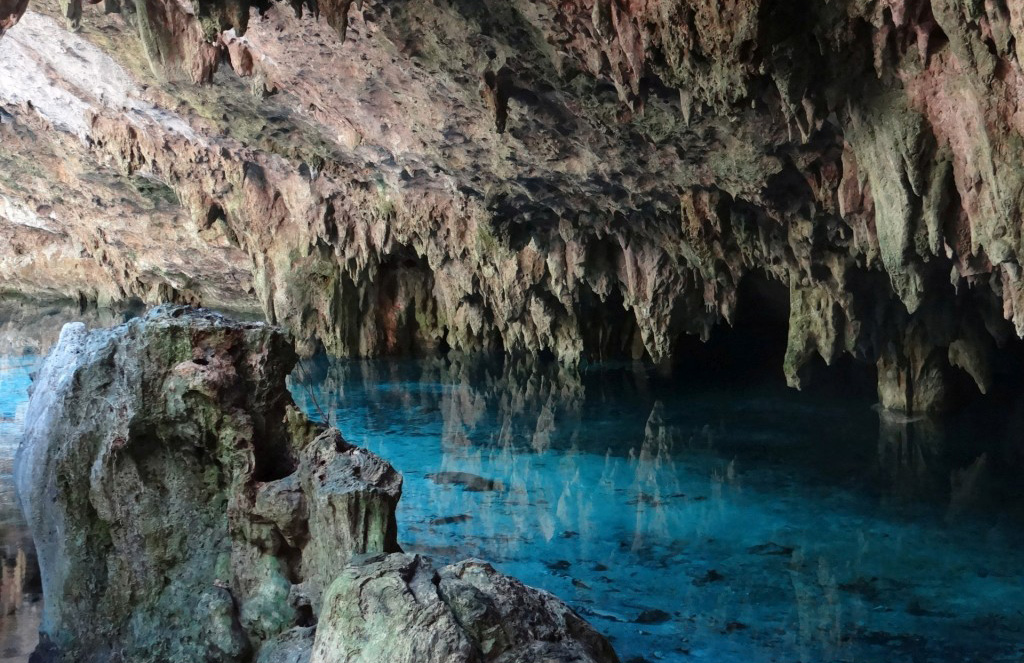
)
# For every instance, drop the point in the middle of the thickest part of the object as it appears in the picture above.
(700, 519)
(690, 517)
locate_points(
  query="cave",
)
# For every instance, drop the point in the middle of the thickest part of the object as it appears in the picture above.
(701, 321)
(750, 346)
(609, 328)
(403, 298)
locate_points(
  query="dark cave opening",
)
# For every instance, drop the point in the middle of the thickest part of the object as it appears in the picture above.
(404, 298)
(609, 330)
(753, 348)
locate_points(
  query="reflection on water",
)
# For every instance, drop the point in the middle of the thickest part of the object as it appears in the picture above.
(19, 618)
(689, 518)
(697, 520)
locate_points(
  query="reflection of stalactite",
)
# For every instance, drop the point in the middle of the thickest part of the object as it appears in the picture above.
(911, 458)
(819, 609)
(970, 486)
(655, 479)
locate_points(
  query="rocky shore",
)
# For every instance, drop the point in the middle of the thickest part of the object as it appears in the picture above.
(184, 510)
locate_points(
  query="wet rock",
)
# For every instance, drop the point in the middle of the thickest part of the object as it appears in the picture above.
(471, 482)
(182, 509)
(653, 616)
(400, 609)
(560, 565)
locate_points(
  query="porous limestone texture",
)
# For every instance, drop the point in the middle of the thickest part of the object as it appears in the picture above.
(586, 178)
(400, 609)
(184, 510)
(174, 493)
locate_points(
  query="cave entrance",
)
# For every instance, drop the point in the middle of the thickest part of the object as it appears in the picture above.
(608, 328)
(753, 348)
(755, 343)
(405, 312)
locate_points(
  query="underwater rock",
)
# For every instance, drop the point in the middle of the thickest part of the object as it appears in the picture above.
(400, 609)
(770, 548)
(711, 576)
(470, 482)
(176, 497)
(451, 520)
(653, 616)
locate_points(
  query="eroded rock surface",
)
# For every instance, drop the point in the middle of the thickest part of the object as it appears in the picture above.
(184, 510)
(582, 178)
(169, 484)
(400, 609)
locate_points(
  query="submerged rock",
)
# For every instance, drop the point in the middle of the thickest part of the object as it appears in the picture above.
(400, 609)
(184, 510)
(471, 482)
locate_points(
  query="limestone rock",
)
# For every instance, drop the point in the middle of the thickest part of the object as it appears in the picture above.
(164, 472)
(400, 609)
(183, 510)
(586, 179)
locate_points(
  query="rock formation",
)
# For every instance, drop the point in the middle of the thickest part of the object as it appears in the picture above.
(463, 613)
(184, 510)
(579, 178)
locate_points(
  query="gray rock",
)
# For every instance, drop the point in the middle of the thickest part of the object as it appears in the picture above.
(184, 511)
(399, 609)
(180, 504)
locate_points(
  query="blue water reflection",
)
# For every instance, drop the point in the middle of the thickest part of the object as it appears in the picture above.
(695, 520)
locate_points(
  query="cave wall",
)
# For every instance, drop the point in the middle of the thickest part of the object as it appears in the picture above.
(579, 178)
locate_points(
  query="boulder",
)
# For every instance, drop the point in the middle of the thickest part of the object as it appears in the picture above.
(171, 486)
(399, 609)
(185, 512)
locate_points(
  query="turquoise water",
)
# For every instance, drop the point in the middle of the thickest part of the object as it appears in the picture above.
(697, 520)
(15, 377)
(688, 517)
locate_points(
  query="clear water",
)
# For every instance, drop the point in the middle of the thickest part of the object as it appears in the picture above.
(690, 518)
(697, 520)
(19, 614)
(15, 377)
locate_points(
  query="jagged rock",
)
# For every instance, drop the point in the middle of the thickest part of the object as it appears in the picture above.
(400, 609)
(175, 495)
(582, 178)
(184, 510)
